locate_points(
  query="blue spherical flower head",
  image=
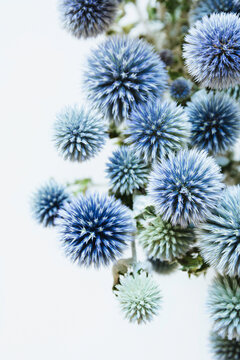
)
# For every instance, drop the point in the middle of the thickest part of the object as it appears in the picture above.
(212, 51)
(127, 172)
(180, 89)
(185, 187)
(79, 134)
(87, 18)
(220, 235)
(47, 202)
(122, 73)
(224, 306)
(95, 229)
(225, 349)
(155, 129)
(215, 119)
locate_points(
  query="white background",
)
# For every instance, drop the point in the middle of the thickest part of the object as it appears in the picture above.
(49, 308)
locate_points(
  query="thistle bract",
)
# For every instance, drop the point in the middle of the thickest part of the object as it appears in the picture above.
(225, 349)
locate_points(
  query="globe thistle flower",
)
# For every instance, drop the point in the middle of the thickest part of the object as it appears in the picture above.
(47, 202)
(219, 236)
(234, 92)
(212, 51)
(78, 134)
(225, 349)
(180, 89)
(139, 296)
(95, 229)
(122, 73)
(215, 119)
(166, 55)
(87, 18)
(163, 267)
(185, 187)
(155, 129)
(224, 306)
(127, 172)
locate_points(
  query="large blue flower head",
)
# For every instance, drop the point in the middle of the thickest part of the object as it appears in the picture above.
(154, 129)
(47, 202)
(225, 349)
(185, 187)
(224, 306)
(79, 134)
(95, 229)
(220, 235)
(215, 119)
(87, 18)
(122, 73)
(127, 172)
(212, 51)
(180, 89)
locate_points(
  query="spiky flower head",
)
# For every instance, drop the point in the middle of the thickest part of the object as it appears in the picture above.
(87, 18)
(139, 296)
(212, 51)
(166, 55)
(95, 229)
(185, 187)
(79, 134)
(154, 129)
(163, 267)
(225, 349)
(220, 235)
(122, 73)
(215, 119)
(127, 171)
(224, 306)
(47, 202)
(180, 89)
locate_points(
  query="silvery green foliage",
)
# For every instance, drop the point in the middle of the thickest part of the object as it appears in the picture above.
(225, 349)
(224, 306)
(212, 51)
(185, 187)
(122, 73)
(127, 171)
(139, 296)
(79, 134)
(219, 237)
(180, 89)
(154, 129)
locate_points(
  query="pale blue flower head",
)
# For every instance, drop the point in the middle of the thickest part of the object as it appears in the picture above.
(225, 349)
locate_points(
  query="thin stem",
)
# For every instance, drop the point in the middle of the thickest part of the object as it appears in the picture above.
(134, 251)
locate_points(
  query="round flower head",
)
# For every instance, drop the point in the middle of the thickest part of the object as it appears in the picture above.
(95, 229)
(79, 135)
(166, 55)
(87, 18)
(220, 235)
(122, 73)
(224, 306)
(225, 349)
(163, 267)
(185, 187)
(215, 119)
(127, 172)
(212, 51)
(47, 202)
(139, 296)
(180, 89)
(155, 129)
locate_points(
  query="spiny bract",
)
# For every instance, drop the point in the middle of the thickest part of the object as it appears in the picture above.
(219, 237)
(122, 73)
(212, 51)
(225, 349)
(154, 129)
(180, 89)
(185, 187)
(79, 134)
(95, 229)
(224, 306)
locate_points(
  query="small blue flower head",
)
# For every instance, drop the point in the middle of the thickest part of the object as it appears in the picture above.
(220, 236)
(215, 119)
(122, 73)
(224, 306)
(79, 134)
(87, 18)
(127, 172)
(155, 129)
(47, 202)
(225, 349)
(212, 51)
(166, 55)
(180, 89)
(185, 187)
(95, 229)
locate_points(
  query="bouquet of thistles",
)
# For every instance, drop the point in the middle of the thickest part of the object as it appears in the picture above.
(164, 86)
